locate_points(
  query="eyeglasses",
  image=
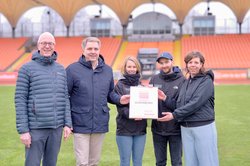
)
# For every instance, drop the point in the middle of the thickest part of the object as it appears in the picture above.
(47, 43)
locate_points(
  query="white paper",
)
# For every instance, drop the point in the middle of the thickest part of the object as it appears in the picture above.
(143, 102)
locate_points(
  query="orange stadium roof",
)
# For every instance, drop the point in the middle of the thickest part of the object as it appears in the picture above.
(67, 9)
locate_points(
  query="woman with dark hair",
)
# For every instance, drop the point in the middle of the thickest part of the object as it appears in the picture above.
(130, 133)
(195, 112)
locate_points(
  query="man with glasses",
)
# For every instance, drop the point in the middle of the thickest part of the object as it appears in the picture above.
(42, 104)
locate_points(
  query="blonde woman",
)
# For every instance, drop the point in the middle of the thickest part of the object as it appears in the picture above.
(130, 133)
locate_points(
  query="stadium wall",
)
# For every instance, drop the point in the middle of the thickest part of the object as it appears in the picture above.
(224, 76)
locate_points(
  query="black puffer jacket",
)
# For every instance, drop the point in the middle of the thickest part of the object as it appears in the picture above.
(195, 105)
(170, 84)
(126, 126)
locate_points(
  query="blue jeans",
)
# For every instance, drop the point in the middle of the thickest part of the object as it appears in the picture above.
(160, 148)
(200, 145)
(128, 145)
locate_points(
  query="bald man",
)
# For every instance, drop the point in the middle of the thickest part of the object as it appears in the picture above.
(42, 104)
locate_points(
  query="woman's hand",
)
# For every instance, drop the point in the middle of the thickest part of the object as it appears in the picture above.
(168, 116)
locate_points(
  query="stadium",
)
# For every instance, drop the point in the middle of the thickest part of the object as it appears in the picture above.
(177, 26)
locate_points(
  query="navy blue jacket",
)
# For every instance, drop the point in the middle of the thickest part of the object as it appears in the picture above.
(41, 96)
(195, 105)
(170, 84)
(90, 91)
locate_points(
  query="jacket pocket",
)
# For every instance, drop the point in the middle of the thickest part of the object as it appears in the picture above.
(105, 109)
(33, 107)
(81, 117)
(104, 117)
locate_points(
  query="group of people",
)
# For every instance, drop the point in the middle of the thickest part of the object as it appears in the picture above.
(52, 102)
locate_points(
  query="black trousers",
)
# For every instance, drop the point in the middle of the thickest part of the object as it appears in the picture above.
(160, 149)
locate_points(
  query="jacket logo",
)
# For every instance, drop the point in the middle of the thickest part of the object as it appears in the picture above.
(175, 87)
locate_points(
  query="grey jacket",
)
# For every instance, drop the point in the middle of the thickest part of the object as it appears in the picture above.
(41, 97)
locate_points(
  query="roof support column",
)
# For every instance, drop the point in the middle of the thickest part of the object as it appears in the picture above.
(240, 23)
(181, 24)
(124, 31)
(13, 32)
(67, 30)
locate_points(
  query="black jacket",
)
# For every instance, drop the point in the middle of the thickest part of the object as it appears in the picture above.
(170, 84)
(126, 126)
(195, 105)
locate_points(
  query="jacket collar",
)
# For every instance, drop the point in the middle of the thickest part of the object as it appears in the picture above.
(101, 62)
(173, 75)
(44, 60)
(208, 73)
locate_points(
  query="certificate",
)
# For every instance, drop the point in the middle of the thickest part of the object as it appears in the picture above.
(143, 102)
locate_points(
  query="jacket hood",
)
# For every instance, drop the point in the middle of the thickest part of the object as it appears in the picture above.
(176, 69)
(36, 56)
(88, 64)
(210, 73)
(171, 76)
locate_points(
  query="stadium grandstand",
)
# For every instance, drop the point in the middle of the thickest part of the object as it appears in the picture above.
(189, 25)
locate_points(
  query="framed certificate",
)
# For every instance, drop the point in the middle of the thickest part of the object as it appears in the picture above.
(143, 102)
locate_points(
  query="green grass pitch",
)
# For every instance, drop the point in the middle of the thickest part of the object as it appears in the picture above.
(232, 106)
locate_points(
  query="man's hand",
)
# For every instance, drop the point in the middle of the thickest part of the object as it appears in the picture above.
(26, 139)
(66, 132)
(125, 99)
(161, 95)
(168, 116)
